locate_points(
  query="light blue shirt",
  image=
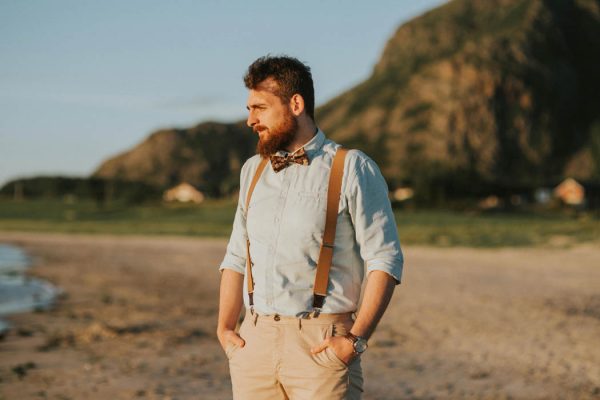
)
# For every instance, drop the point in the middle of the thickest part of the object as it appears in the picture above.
(285, 222)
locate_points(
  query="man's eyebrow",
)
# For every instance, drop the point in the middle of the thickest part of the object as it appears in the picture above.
(255, 105)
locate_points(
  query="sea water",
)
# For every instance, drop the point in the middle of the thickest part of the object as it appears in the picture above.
(18, 292)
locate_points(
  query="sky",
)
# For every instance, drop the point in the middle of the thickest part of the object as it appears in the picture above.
(83, 80)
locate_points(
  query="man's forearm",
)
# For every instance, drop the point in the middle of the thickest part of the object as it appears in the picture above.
(378, 292)
(230, 299)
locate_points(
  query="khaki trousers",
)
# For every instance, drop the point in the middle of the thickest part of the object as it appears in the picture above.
(276, 362)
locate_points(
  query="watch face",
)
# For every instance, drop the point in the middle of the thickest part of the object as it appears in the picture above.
(360, 345)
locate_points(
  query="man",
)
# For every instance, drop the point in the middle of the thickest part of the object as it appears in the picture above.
(294, 342)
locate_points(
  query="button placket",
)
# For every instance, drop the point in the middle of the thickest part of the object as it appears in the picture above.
(269, 290)
(285, 185)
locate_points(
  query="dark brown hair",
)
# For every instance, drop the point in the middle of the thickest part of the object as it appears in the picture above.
(291, 75)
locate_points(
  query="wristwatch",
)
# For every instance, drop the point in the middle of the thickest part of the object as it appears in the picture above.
(359, 343)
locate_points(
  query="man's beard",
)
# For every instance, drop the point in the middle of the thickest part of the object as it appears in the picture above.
(277, 138)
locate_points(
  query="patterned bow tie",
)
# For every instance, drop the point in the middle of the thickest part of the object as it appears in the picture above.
(280, 162)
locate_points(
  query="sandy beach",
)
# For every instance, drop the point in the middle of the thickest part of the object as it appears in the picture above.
(137, 320)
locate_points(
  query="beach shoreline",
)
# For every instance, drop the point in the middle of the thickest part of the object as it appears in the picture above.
(20, 292)
(137, 319)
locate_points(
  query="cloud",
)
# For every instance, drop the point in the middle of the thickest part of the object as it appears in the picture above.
(202, 104)
(119, 101)
(194, 103)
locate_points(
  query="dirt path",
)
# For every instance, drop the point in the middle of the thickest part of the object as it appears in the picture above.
(138, 317)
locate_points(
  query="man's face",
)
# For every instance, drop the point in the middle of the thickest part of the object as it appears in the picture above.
(271, 119)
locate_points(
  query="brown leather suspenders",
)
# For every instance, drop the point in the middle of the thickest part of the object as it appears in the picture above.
(326, 254)
(257, 175)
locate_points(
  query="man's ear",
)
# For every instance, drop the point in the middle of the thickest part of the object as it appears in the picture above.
(297, 104)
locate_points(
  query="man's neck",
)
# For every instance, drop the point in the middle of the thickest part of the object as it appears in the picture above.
(302, 137)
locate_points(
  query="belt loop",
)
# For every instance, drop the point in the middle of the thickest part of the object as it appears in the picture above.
(255, 317)
(299, 323)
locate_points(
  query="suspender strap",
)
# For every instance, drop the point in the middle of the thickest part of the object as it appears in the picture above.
(250, 280)
(326, 254)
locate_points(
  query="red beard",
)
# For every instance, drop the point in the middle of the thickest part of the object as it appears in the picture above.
(277, 138)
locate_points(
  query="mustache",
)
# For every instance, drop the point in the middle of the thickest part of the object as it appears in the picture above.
(257, 128)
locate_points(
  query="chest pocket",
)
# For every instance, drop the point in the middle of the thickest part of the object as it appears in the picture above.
(305, 213)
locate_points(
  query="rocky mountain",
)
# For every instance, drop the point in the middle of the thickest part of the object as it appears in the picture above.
(505, 91)
(472, 94)
(209, 155)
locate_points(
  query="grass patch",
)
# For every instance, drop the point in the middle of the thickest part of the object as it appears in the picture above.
(214, 218)
(446, 228)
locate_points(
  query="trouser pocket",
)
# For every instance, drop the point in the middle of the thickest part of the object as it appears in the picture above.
(313, 336)
(230, 349)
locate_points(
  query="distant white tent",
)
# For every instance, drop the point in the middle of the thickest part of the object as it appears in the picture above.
(184, 192)
(570, 192)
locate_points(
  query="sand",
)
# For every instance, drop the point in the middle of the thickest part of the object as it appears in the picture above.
(138, 316)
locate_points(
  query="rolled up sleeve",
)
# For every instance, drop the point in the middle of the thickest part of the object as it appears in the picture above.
(373, 219)
(235, 256)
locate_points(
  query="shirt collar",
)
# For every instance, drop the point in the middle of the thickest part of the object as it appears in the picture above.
(310, 147)
(314, 144)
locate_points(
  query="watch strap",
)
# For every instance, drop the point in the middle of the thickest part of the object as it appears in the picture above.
(353, 339)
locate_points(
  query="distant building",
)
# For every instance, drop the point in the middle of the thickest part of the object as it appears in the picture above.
(489, 203)
(183, 192)
(570, 192)
(403, 193)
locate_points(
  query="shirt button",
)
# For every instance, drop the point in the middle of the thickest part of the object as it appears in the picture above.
(276, 220)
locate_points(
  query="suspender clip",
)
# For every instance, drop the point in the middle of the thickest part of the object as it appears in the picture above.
(316, 312)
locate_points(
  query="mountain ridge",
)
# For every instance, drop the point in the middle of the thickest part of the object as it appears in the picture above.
(472, 93)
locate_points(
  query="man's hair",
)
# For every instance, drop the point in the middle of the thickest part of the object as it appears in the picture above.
(291, 75)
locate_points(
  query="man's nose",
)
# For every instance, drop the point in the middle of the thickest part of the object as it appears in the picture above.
(251, 121)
